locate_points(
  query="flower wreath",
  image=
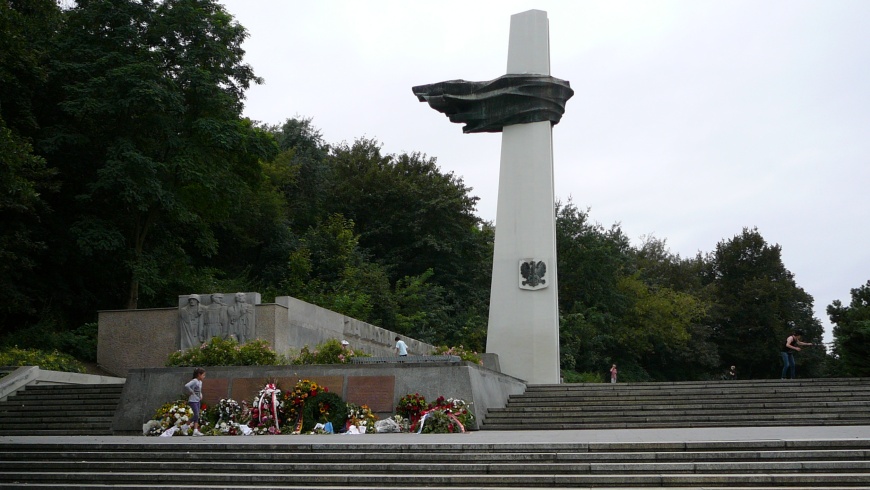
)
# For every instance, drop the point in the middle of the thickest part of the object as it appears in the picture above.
(266, 406)
(324, 407)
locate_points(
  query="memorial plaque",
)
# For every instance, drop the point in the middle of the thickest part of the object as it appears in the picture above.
(335, 384)
(213, 389)
(377, 392)
(247, 388)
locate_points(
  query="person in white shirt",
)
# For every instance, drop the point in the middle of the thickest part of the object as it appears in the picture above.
(401, 347)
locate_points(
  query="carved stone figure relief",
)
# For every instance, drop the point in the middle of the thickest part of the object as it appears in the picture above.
(203, 317)
(190, 323)
(241, 317)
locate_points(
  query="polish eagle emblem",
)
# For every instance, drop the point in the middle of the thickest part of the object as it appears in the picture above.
(533, 273)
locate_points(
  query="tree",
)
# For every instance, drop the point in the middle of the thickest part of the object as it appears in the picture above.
(756, 305)
(26, 28)
(150, 142)
(592, 261)
(411, 218)
(852, 333)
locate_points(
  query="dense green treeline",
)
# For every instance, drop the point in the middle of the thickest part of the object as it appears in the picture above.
(129, 176)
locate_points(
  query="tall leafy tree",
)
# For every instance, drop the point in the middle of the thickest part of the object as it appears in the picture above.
(26, 30)
(757, 304)
(412, 218)
(409, 214)
(592, 262)
(150, 142)
(852, 333)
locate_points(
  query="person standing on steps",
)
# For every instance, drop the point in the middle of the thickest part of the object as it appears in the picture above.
(613, 373)
(792, 345)
(194, 401)
(401, 347)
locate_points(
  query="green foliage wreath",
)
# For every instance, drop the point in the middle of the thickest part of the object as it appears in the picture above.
(324, 407)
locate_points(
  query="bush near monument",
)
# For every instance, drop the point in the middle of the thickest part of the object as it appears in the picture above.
(227, 352)
(51, 361)
(329, 352)
(462, 352)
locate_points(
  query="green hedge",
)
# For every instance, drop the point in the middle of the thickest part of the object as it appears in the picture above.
(222, 352)
(52, 361)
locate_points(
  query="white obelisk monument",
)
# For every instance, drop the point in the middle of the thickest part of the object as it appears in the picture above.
(524, 318)
(523, 105)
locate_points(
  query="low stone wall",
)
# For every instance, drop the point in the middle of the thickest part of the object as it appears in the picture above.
(380, 386)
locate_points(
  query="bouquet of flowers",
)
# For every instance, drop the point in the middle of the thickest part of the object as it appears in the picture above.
(174, 416)
(232, 417)
(362, 417)
(412, 406)
(444, 416)
(264, 414)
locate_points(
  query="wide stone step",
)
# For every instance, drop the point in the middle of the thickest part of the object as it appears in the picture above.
(389, 467)
(192, 477)
(631, 395)
(653, 422)
(61, 422)
(61, 396)
(687, 416)
(60, 410)
(28, 412)
(657, 385)
(685, 404)
(199, 463)
(341, 457)
(76, 387)
(675, 405)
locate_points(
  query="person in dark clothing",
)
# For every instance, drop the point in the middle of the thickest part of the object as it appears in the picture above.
(792, 345)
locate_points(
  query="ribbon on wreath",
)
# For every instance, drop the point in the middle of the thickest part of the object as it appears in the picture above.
(269, 391)
(448, 414)
(298, 428)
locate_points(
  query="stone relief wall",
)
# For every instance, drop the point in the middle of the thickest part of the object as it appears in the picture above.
(131, 339)
(202, 317)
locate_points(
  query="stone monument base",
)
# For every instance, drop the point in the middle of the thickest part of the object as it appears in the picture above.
(380, 386)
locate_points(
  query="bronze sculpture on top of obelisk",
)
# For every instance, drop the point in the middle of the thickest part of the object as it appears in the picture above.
(524, 105)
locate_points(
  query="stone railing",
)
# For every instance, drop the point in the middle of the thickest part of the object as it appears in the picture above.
(391, 359)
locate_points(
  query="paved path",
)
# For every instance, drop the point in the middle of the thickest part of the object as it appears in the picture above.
(491, 437)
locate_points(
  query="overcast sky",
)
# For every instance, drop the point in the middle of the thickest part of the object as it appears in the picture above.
(690, 121)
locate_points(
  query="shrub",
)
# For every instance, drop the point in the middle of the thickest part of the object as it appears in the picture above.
(226, 352)
(52, 361)
(462, 352)
(329, 352)
(258, 352)
(80, 343)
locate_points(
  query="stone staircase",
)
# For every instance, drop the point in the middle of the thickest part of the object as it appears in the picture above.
(265, 462)
(60, 410)
(458, 462)
(752, 403)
